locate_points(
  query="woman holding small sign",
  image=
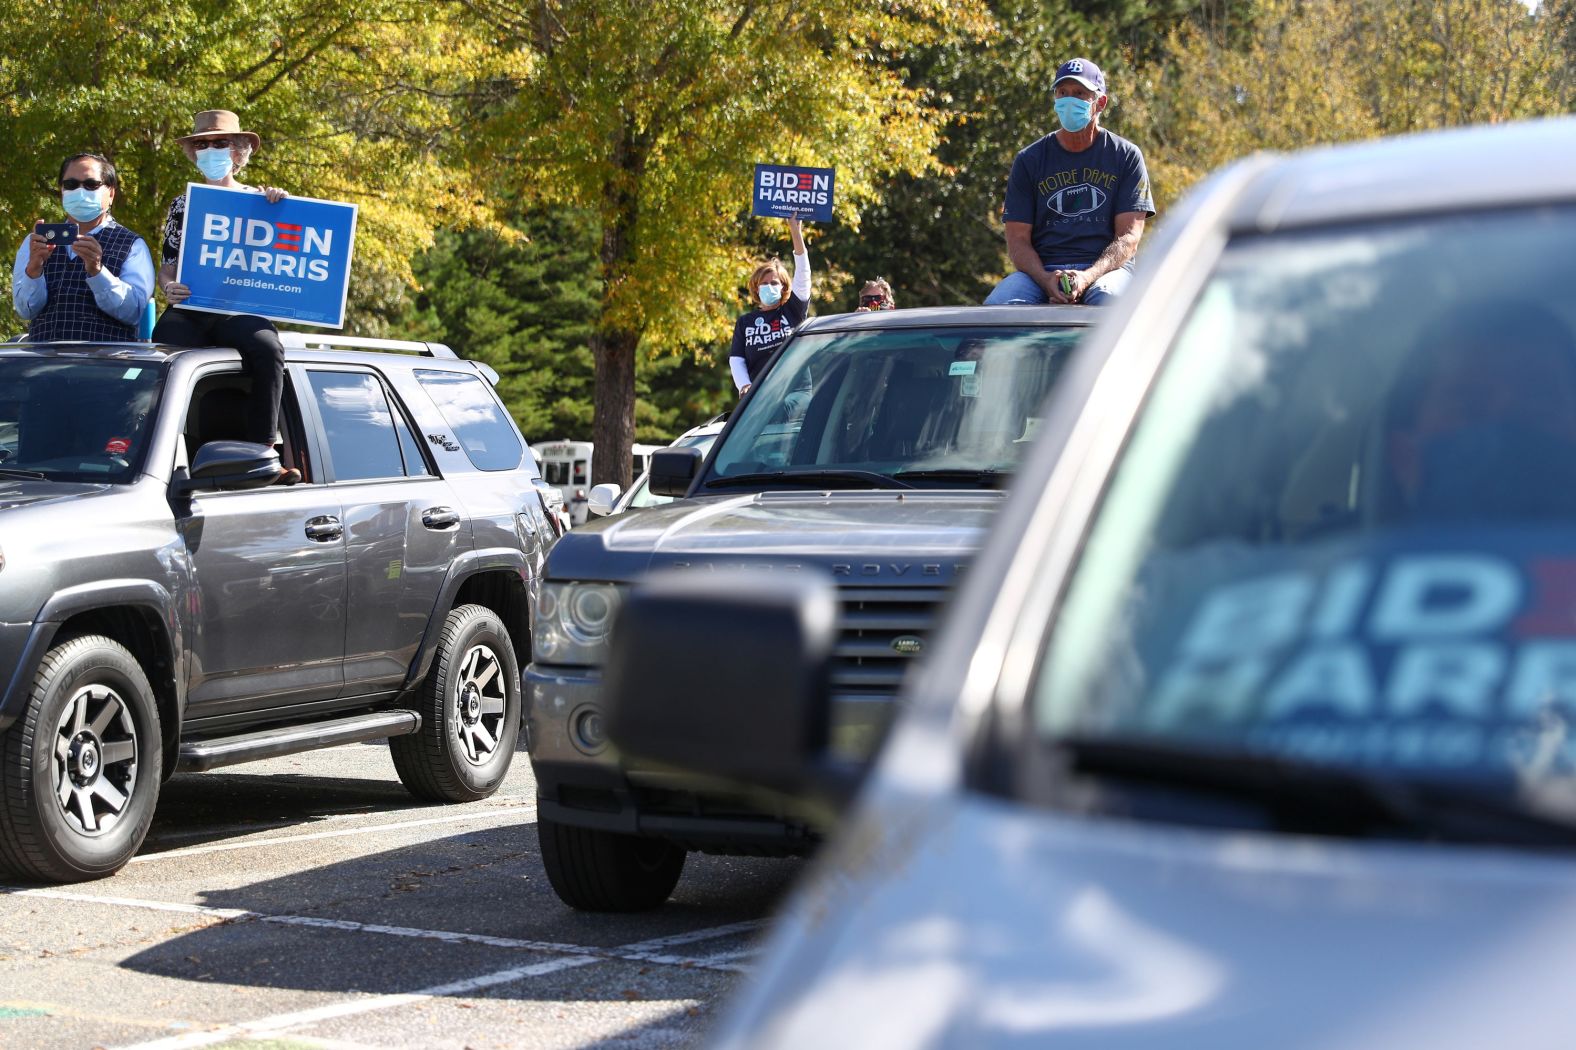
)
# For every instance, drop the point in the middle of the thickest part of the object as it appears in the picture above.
(758, 334)
(220, 150)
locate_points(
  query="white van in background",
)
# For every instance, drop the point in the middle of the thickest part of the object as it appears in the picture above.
(567, 465)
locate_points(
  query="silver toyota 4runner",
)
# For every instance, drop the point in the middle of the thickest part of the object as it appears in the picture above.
(163, 606)
(874, 451)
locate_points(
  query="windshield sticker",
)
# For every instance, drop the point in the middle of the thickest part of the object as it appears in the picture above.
(969, 386)
(131, 373)
(117, 447)
(1443, 658)
(962, 368)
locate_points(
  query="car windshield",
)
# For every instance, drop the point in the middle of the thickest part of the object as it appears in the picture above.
(1341, 534)
(75, 419)
(895, 407)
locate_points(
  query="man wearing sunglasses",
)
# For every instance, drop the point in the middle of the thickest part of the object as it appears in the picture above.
(96, 287)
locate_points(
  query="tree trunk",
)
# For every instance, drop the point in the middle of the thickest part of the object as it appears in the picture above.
(613, 345)
(613, 425)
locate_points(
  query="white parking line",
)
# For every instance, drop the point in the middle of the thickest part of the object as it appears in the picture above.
(652, 951)
(280, 1023)
(512, 812)
(726, 960)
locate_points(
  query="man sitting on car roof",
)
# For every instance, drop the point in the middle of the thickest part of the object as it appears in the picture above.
(1076, 202)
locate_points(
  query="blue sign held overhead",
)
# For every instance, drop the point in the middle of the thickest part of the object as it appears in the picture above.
(288, 261)
(783, 191)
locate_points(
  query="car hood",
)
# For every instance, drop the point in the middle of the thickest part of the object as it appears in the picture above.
(918, 536)
(979, 923)
(16, 493)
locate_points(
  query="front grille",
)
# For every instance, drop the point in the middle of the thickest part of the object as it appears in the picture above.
(866, 663)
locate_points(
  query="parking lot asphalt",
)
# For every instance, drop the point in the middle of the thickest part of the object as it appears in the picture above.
(309, 901)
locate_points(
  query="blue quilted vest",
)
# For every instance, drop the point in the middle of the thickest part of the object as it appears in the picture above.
(71, 312)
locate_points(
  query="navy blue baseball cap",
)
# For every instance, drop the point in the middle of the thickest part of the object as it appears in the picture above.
(1082, 70)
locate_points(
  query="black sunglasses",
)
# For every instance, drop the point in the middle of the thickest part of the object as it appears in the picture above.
(213, 144)
(88, 184)
(871, 300)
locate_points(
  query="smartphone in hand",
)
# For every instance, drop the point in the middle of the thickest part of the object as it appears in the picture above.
(56, 232)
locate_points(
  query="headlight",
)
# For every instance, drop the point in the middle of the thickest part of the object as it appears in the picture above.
(573, 621)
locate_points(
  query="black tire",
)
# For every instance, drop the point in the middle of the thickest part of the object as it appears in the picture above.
(604, 871)
(90, 732)
(470, 713)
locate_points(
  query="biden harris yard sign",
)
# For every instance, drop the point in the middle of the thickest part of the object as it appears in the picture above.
(782, 192)
(288, 261)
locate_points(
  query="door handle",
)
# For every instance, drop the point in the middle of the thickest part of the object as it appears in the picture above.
(324, 528)
(439, 517)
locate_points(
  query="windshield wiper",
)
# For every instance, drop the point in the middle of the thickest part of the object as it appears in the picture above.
(1312, 798)
(854, 479)
(30, 475)
(990, 477)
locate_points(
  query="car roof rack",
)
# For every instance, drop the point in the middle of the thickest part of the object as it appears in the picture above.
(306, 341)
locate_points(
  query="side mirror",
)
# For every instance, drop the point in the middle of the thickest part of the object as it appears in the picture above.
(230, 466)
(602, 498)
(673, 469)
(756, 711)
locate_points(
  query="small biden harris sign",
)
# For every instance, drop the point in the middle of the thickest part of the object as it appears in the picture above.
(782, 192)
(288, 261)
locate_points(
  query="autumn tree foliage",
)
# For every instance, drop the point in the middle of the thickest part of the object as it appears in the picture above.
(648, 118)
(1285, 74)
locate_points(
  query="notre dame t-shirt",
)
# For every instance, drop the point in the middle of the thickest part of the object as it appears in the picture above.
(758, 334)
(1072, 199)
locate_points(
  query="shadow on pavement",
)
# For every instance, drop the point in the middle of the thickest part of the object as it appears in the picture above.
(487, 882)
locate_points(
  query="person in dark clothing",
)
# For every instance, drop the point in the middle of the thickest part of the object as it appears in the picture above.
(1076, 203)
(97, 287)
(220, 150)
(758, 334)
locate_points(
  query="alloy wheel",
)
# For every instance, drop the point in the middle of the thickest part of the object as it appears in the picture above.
(480, 696)
(95, 759)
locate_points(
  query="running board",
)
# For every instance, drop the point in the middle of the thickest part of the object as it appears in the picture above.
(198, 755)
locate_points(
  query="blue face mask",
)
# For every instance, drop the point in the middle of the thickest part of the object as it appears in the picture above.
(215, 164)
(84, 205)
(1074, 113)
(770, 294)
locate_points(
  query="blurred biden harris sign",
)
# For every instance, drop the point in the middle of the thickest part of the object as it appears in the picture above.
(288, 261)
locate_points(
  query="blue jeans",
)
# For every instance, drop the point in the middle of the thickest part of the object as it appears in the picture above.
(1018, 288)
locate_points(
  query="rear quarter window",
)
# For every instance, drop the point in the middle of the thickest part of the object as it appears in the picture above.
(477, 419)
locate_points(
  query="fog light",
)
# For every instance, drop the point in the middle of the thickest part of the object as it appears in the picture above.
(587, 731)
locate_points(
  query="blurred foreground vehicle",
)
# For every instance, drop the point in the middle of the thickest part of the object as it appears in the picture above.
(1252, 724)
(874, 452)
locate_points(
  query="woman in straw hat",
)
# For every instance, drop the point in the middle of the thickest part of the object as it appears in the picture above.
(220, 149)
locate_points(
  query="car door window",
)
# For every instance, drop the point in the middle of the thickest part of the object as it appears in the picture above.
(359, 425)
